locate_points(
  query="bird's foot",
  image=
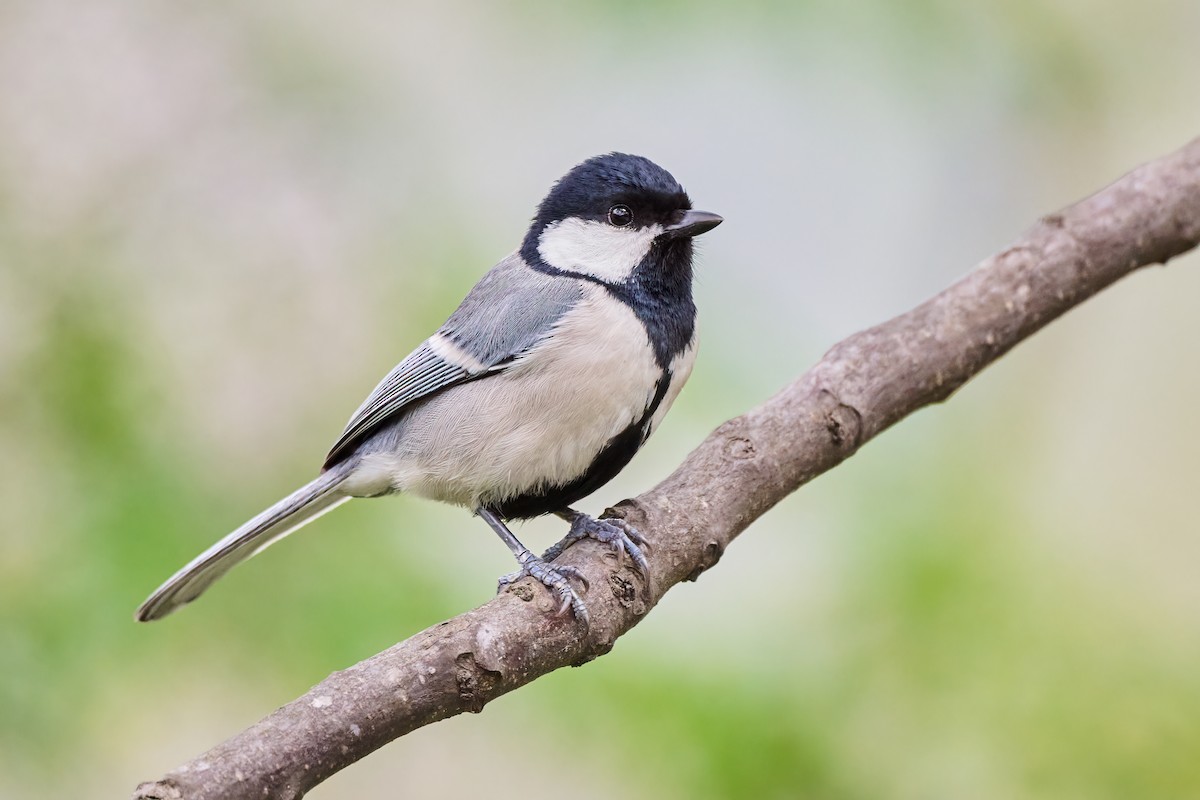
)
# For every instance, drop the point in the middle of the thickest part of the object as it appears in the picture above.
(618, 534)
(556, 579)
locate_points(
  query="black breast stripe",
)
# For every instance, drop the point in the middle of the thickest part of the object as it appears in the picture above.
(660, 392)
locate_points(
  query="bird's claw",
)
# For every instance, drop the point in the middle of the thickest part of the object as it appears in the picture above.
(554, 578)
(623, 538)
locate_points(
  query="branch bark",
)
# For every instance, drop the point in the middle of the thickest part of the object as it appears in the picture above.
(862, 386)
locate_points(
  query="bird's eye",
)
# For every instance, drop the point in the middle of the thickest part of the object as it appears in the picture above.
(620, 216)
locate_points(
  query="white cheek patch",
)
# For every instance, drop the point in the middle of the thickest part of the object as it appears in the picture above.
(596, 248)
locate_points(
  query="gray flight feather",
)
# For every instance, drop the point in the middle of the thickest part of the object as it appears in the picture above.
(511, 309)
(289, 514)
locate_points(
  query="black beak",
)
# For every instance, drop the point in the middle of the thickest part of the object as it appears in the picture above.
(692, 223)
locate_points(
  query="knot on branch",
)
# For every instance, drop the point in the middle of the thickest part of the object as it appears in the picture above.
(739, 448)
(844, 424)
(475, 683)
(157, 790)
(712, 554)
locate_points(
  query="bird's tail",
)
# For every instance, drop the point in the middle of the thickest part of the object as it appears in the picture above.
(291, 513)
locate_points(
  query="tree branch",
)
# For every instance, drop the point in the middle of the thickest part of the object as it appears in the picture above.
(862, 386)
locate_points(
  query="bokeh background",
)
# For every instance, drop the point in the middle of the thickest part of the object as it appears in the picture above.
(221, 223)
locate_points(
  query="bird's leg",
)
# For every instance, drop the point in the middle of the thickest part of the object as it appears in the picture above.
(617, 533)
(556, 579)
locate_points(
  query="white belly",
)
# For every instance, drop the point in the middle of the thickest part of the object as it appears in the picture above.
(539, 423)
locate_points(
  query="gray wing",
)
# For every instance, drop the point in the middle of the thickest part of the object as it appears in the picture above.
(504, 315)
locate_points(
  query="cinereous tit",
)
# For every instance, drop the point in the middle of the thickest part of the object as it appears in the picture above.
(538, 390)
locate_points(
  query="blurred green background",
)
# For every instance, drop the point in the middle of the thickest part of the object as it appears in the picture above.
(221, 223)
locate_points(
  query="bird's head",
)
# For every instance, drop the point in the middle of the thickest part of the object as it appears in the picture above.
(608, 214)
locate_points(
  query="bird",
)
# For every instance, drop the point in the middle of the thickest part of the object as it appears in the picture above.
(539, 388)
